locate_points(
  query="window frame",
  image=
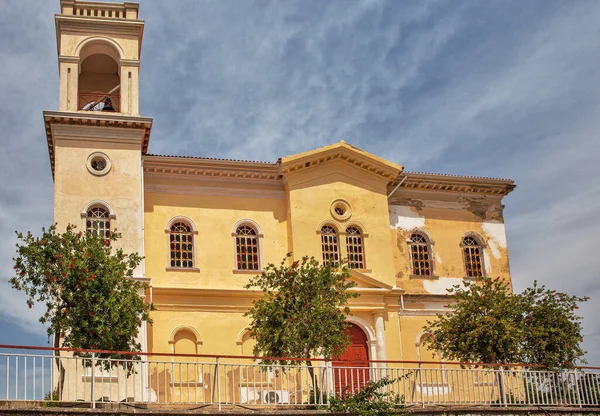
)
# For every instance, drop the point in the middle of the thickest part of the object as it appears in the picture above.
(482, 246)
(430, 245)
(363, 235)
(338, 234)
(259, 236)
(194, 233)
(98, 204)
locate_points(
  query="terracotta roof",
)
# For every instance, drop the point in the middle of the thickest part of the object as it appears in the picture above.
(212, 158)
(406, 172)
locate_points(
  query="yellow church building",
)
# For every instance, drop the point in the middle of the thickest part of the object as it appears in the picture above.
(205, 225)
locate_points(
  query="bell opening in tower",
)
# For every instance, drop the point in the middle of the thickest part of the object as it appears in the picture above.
(99, 79)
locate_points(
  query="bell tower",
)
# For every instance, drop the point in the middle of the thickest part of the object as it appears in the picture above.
(97, 139)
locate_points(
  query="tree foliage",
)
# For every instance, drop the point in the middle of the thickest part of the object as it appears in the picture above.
(91, 301)
(488, 323)
(303, 309)
(373, 399)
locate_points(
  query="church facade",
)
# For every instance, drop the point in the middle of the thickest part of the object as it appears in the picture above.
(205, 225)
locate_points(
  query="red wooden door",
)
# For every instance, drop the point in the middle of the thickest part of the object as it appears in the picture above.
(351, 367)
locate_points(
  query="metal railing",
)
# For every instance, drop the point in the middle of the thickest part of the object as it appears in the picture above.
(186, 379)
(98, 101)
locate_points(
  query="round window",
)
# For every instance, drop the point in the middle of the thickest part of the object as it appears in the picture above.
(98, 164)
(340, 210)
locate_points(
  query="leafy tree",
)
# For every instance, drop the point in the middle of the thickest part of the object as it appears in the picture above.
(488, 323)
(91, 301)
(302, 312)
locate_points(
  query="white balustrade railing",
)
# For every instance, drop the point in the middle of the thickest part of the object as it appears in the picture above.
(232, 380)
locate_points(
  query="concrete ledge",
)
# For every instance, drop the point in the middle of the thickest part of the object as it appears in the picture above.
(12, 408)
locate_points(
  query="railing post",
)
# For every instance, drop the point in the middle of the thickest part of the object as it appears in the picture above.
(577, 389)
(92, 392)
(502, 387)
(421, 385)
(218, 383)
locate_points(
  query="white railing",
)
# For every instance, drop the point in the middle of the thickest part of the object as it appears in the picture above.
(238, 380)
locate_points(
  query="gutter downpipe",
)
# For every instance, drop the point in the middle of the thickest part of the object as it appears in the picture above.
(397, 186)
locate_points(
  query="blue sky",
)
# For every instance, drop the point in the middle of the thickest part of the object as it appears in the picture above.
(490, 88)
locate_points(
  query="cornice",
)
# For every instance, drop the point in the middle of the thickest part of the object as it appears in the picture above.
(431, 182)
(95, 119)
(176, 167)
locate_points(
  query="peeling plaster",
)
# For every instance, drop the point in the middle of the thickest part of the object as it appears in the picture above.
(438, 259)
(487, 263)
(496, 231)
(438, 287)
(494, 248)
(405, 218)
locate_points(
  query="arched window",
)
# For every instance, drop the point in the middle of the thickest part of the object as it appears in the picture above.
(354, 247)
(246, 248)
(329, 245)
(97, 221)
(181, 245)
(420, 254)
(472, 256)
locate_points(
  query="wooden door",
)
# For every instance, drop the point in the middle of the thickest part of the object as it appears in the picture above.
(351, 368)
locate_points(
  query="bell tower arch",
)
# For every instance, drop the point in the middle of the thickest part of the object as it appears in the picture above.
(99, 46)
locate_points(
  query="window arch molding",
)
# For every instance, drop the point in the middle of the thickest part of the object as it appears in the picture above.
(192, 233)
(99, 45)
(430, 243)
(473, 261)
(249, 222)
(98, 203)
(181, 218)
(187, 328)
(238, 261)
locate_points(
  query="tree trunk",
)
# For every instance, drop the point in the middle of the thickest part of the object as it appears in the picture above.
(61, 370)
(313, 378)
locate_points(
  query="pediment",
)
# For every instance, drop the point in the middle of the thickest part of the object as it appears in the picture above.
(364, 281)
(341, 152)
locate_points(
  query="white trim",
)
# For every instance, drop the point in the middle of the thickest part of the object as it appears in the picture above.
(101, 155)
(244, 222)
(431, 245)
(240, 338)
(183, 219)
(184, 328)
(99, 202)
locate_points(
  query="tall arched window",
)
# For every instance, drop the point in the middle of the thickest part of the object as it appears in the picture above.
(420, 254)
(354, 247)
(472, 256)
(97, 221)
(329, 245)
(246, 248)
(181, 245)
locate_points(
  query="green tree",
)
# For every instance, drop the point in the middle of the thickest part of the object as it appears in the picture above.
(302, 312)
(488, 323)
(91, 300)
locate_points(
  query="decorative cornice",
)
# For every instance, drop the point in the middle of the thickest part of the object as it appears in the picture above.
(95, 119)
(165, 166)
(431, 182)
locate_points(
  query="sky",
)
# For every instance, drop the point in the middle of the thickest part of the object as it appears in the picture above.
(487, 88)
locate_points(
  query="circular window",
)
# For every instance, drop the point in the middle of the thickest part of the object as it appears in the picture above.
(98, 164)
(340, 210)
